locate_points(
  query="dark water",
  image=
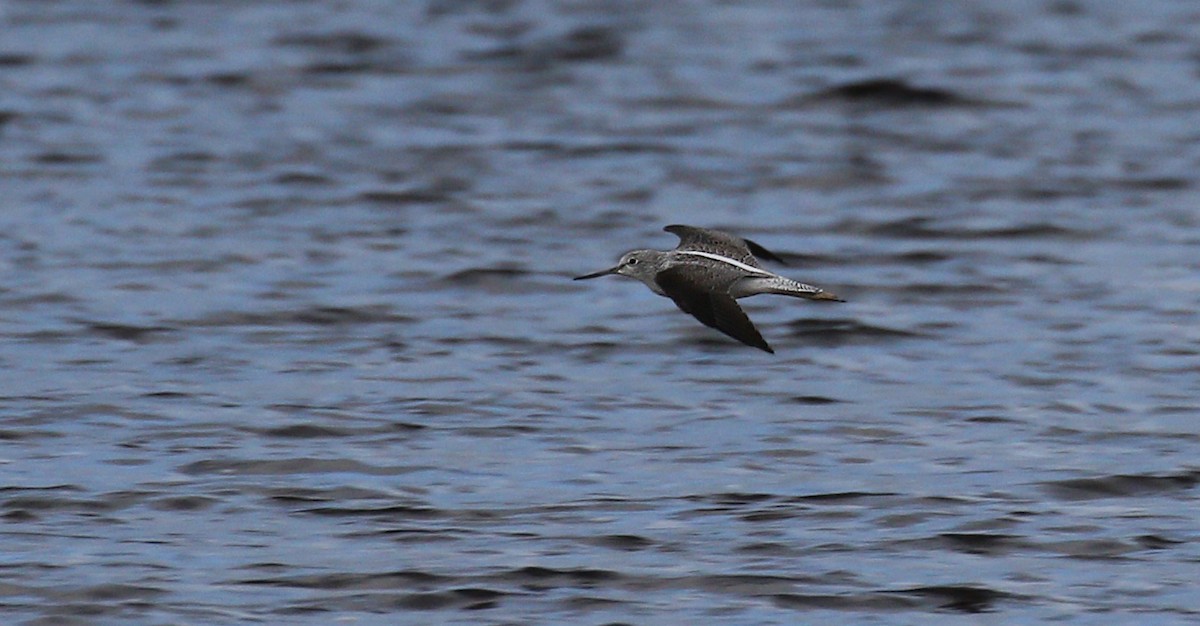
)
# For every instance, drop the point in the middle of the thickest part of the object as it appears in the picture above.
(289, 336)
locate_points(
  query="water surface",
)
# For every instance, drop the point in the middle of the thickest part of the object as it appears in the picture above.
(289, 336)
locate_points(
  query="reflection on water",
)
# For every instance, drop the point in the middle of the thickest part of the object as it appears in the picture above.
(290, 336)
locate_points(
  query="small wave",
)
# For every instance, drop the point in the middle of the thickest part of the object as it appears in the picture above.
(1122, 485)
(845, 331)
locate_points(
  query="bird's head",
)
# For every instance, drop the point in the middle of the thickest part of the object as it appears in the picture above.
(639, 264)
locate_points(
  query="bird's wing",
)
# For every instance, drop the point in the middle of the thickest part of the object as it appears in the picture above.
(764, 253)
(698, 239)
(687, 287)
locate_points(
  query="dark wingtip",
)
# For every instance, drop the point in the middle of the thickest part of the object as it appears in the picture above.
(757, 250)
(757, 342)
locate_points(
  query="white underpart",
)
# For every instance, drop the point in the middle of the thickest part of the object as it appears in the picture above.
(724, 259)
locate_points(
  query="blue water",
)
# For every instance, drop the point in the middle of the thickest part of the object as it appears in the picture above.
(289, 336)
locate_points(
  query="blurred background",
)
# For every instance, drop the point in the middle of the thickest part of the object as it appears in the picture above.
(289, 336)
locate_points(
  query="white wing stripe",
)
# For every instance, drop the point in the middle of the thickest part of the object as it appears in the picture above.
(725, 259)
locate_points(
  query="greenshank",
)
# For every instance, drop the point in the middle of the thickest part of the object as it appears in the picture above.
(706, 274)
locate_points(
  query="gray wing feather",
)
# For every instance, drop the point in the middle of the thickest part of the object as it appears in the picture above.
(698, 239)
(717, 309)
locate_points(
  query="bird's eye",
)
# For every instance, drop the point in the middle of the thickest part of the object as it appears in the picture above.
(631, 262)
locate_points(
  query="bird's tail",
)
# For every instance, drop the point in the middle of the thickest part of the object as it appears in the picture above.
(784, 287)
(821, 294)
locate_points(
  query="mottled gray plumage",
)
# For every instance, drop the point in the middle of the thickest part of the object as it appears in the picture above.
(706, 274)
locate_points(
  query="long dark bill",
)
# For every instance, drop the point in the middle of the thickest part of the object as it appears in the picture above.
(611, 270)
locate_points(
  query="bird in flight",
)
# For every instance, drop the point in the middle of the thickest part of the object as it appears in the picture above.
(707, 273)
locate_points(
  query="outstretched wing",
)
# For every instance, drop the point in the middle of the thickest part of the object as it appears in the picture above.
(698, 239)
(687, 286)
